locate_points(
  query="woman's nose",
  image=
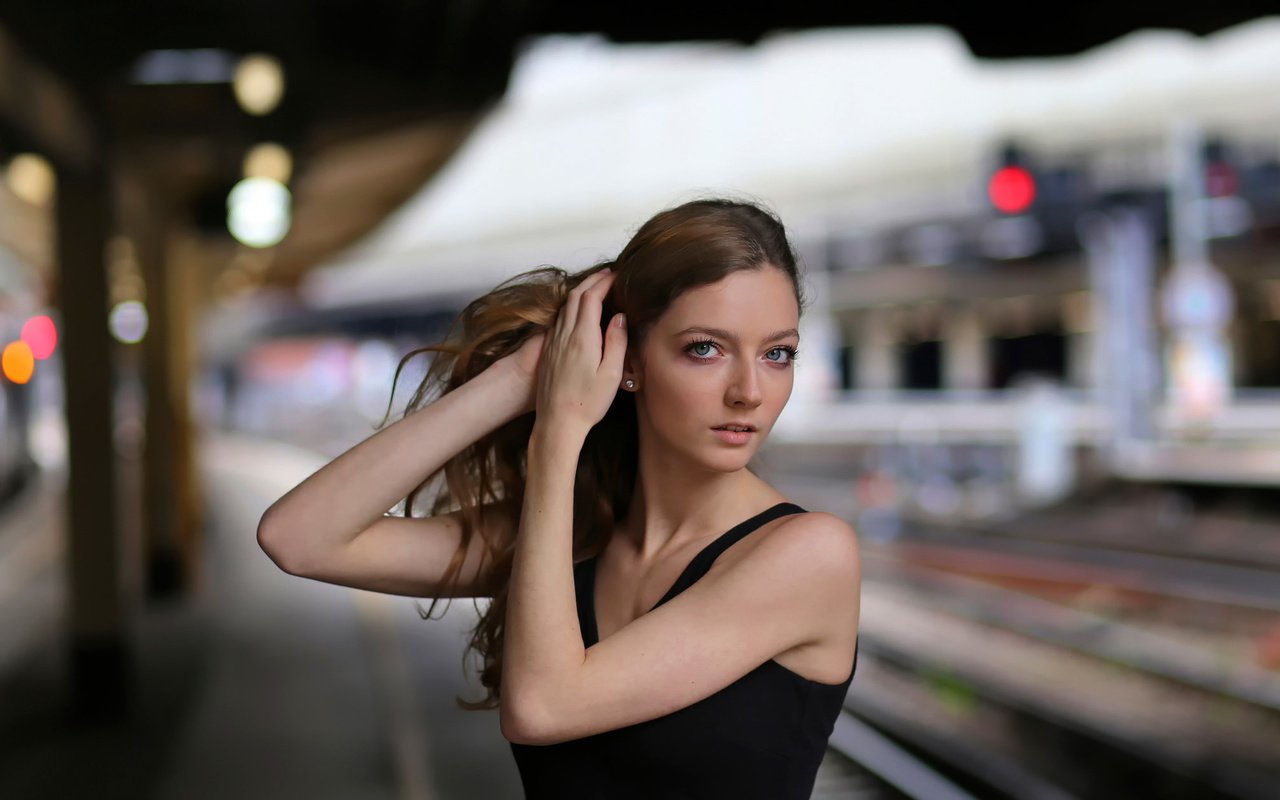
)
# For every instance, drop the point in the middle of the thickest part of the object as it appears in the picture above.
(744, 389)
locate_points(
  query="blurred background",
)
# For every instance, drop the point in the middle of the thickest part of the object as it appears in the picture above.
(1041, 373)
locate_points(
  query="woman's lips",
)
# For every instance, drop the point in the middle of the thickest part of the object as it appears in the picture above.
(733, 437)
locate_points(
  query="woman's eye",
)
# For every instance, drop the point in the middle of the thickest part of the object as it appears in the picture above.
(705, 350)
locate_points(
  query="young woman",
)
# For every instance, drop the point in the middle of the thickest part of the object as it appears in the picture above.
(663, 622)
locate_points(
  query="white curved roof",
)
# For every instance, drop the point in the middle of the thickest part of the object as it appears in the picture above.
(592, 138)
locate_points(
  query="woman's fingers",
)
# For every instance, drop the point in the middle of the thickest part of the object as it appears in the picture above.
(579, 373)
(580, 317)
(591, 301)
(615, 348)
(572, 305)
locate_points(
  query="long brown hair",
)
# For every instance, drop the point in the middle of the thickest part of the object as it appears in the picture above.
(691, 245)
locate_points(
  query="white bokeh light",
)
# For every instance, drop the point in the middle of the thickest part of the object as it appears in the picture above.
(258, 211)
(128, 321)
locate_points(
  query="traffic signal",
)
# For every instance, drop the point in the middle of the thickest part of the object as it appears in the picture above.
(1229, 209)
(1033, 206)
(1012, 187)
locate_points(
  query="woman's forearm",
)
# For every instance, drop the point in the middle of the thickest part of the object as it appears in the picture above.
(542, 646)
(347, 495)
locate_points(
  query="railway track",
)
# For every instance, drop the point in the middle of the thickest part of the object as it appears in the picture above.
(1167, 574)
(864, 762)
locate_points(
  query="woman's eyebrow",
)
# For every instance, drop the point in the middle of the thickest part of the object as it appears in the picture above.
(723, 334)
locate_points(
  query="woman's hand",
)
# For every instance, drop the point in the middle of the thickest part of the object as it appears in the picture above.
(521, 370)
(580, 367)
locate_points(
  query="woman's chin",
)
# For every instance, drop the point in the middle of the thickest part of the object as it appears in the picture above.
(713, 455)
(731, 461)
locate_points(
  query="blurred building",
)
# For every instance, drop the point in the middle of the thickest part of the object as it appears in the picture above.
(963, 225)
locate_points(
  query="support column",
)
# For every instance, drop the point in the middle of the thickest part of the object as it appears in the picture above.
(1083, 354)
(966, 357)
(1082, 361)
(170, 557)
(878, 367)
(100, 654)
(1120, 245)
(187, 262)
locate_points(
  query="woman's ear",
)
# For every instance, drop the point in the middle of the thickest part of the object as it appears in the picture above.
(630, 375)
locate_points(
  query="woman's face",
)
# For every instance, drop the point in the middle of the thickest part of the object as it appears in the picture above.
(720, 354)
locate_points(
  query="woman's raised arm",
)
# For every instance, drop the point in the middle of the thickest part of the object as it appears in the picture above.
(335, 527)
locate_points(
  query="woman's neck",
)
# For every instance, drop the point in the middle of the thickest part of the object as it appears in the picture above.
(670, 506)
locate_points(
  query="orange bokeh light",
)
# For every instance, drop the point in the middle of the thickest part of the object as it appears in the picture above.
(18, 362)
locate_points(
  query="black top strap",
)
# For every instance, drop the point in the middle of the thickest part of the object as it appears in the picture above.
(584, 572)
(702, 562)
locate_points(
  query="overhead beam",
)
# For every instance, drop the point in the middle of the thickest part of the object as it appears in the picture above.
(349, 187)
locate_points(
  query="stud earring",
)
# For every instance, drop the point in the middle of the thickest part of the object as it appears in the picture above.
(630, 384)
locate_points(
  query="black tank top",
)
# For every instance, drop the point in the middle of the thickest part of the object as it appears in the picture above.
(761, 736)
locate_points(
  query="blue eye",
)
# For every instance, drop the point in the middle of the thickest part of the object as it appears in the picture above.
(692, 346)
(791, 352)
(700, 350)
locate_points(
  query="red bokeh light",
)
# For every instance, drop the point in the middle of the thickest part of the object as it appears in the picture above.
(40, 335)
(1012, 189)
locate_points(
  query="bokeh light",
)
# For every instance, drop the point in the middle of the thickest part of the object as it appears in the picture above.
(31, 178)
(269, 160)
(258, 84)
(128, 321)
(258, 211)
(18, 362)
(41, 335)
(1012, 189)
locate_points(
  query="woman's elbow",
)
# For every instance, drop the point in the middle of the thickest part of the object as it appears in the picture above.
(275, 546)
(518, 725)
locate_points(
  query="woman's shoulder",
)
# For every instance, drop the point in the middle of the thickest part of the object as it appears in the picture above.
(806, 535)
(811, 541)
(807, 524)
(818, 532)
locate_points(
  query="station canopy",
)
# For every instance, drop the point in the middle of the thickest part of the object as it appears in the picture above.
(830, 127)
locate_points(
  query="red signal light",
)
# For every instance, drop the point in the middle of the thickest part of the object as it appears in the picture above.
(1012, 189)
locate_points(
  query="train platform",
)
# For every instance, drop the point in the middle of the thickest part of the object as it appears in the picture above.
(267, 685)
(261, 685)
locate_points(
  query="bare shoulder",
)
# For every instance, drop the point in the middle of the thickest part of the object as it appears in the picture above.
(824, 542)
(813, 551)
(813, 561)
